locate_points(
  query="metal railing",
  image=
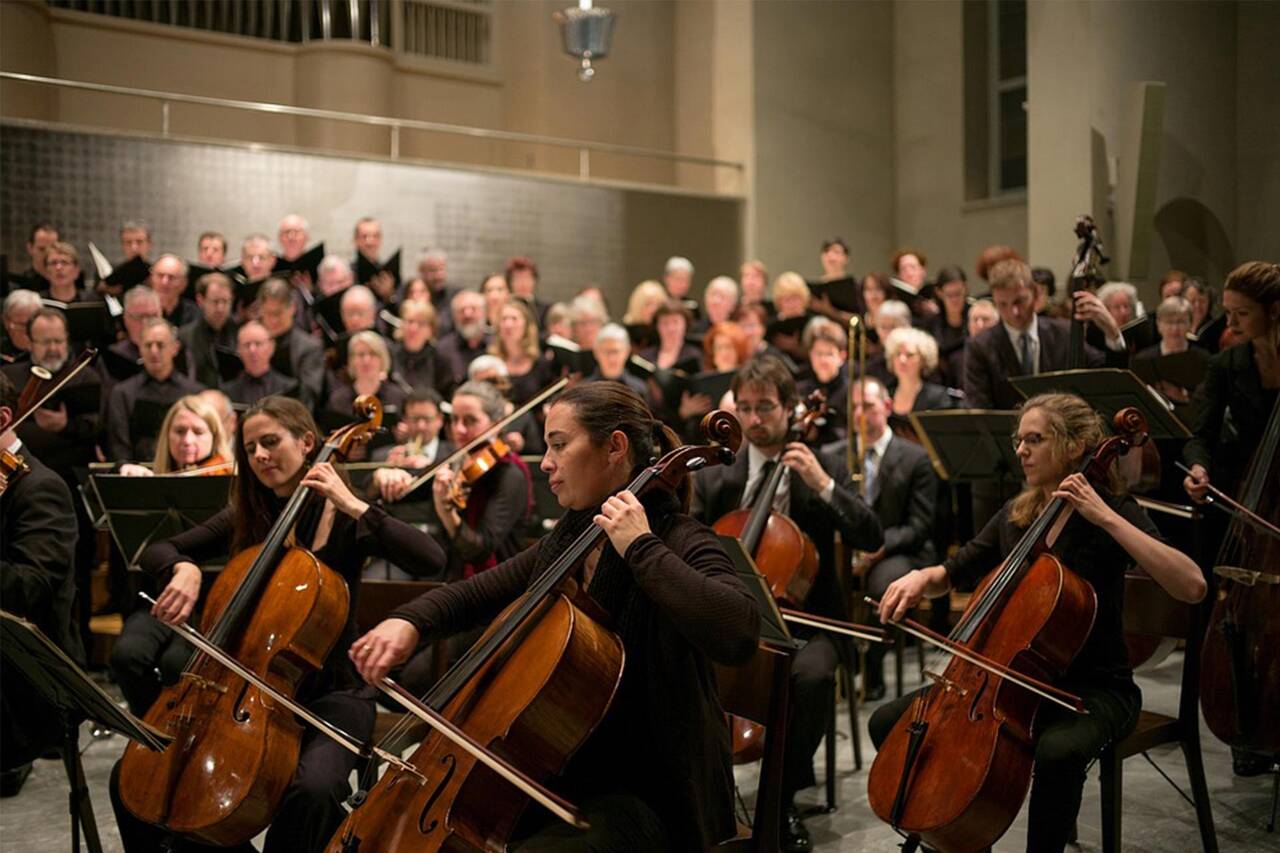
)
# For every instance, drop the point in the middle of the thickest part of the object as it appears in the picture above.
(394, 125)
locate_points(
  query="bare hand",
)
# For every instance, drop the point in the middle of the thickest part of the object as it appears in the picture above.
(1079, 492)
(693, 405)
(623, 519)
(1089, 308)
(178, 599)
(400, 432)
(799, 458)
(392, 483)
(1197, 483)
(324, 479)
(902, 595)
(130, 469)
(51, 420)
(514, 440)
(383, 285)
(864, 563)
(388, 644)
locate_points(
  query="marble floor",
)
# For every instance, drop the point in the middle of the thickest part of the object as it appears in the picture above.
(1156, 818)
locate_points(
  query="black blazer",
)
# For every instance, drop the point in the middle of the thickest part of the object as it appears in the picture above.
(1232, 384)
(718, 490)
(990, 360)
(906, 495)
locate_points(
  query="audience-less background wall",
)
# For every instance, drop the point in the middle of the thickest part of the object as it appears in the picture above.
(864, 119)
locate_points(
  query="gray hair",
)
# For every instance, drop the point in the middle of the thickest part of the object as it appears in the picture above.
(301, 221)
(334, 263)
(675, 263)
(140, 293)
(135, 225)
(1111, 288)
(485, 363)
(151, 322)
(256, 237)
(613, 332)
(587, 307)
(1174, 306)
(358, 291)
(433, 254)
(921, 340)
(896, 310)
(724, 281)
(21, 298)
(491, 401)
(168, 255)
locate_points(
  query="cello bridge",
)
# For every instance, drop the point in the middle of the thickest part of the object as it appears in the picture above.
(204, 683)
(945, 683)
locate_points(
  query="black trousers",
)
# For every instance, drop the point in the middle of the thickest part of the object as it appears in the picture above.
(147, 656)
(1066, 744)
(879, 577)
(312, 808)
(813, 678)
(620, 823)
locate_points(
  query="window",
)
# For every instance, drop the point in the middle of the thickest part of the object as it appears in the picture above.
(1007, 61)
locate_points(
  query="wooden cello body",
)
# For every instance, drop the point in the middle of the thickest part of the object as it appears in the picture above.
(1240, 658)
(278, 611)
(955, 768)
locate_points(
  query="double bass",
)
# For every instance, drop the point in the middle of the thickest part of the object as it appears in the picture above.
(955, 769)
(1240, 658)
(531, 689)
(274, 612)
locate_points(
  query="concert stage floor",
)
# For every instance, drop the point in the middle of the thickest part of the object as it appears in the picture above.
(1156, 819)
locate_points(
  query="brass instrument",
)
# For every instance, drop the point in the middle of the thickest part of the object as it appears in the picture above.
(857, 440)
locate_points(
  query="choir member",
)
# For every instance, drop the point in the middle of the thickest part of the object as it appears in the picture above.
(257, 258)
(949, 326)
(369, 366)
(522, 280)
(516, 343)
(19, 305)
(297, 354)
(754, 281)
(359, 309)
(433, 270)
(211, 249)
(470, 336)
(718, 301)
(368, 242)
(612, 349)
(43, 235)
(212, 329)
(827, 347)
(413, 355)
(169, 280)
(335, 275)
(496, 293)
(587, 316)
(677, 277)
(255, 347)
(158, 383)
(912, 355)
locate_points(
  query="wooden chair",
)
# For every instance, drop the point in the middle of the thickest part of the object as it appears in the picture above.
(1151, 611)
(758, 691)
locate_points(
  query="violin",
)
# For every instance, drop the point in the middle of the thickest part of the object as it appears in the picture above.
(33, 396)
(12, 468)
(955, 768)
(481, 461)
(532, 688)
(271, 618)
(216, 465)
(783, 553)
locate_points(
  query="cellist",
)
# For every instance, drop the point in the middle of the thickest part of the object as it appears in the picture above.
(1106, 532)
(277, 438)
(1243, 380)
(821, 502)
(656, 773)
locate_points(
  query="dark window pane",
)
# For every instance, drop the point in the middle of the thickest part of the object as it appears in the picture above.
(1012, 23)
(1013, 139)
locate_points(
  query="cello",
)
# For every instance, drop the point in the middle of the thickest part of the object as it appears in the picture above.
(1240, 658)
(532, 689)
(955, 769)
(276, 611)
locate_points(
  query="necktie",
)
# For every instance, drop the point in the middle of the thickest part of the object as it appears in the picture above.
(1028, 366)
(869, 474)
(765, 471)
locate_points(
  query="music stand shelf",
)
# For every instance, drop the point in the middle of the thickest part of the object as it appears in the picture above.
(140, 510)
(1108, 390)
(969, 445)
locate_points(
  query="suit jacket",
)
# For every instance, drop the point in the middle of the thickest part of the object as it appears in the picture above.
(1225, 446)
(906, 494)
(300, 356)
(73, 445)
(990, 360)
(199, 340)
(718, 490)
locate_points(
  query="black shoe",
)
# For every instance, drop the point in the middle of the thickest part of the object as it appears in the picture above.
(795, 837)
(873, 693)
(1250, 763)
(11, 781)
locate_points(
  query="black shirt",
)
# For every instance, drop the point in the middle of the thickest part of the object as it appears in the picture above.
(423, 369)
(247, 390)
(200, 341)
(1086, 550)
(127, 440)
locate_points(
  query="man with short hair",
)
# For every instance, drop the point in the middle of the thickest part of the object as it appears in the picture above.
(255, 347)
(135, 239)
(212, 329)
(419, 443)
(256, 257)
(335, 275)
(19, 305)
(297, 354)
(211, 249)
(677, 277)
(469, 338)
(359, 309)
(292, 234)
(368, 241)
(43, 235)
(159, 383)
(612, 349)
(433, 270)
(169, 281)
(818, 495)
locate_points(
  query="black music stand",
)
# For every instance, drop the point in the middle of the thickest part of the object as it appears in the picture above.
(141, 510)
(970, 445)
(1108, 390)
(772, 629)
(66, 687)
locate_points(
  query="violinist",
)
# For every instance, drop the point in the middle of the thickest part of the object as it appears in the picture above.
(37, 545)
(765, 396)
(1106, 533)
(656, 773)
(1233, 405)
(277, 438)
(147, 654)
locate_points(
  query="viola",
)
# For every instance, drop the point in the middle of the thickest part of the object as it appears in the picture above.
(532, 688)
(216, 465)
(955, 768)
(273, 615)
(12, 468)
(479, 462)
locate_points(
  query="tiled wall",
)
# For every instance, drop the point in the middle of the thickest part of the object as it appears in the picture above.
(88, 183)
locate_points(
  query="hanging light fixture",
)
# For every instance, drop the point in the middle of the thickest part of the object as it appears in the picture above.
(586, 33)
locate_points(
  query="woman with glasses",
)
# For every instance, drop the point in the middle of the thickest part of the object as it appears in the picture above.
(1105, 533)
(1173, 321)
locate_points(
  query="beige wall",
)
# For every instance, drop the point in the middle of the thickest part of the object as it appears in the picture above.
(1257, 133)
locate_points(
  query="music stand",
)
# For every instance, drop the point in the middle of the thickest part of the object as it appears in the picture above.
(66, 687)
(142, 510)
(969, 445)
(1108, 390)
(772, 629)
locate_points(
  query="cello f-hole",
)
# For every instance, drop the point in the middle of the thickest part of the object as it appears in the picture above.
(450, 762)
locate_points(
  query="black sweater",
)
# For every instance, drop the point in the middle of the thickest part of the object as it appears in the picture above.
(664, 738)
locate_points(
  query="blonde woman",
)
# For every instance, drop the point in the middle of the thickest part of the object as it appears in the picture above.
(193, 438)
(791, 297)
(517, 345)
(912, 355)
(369, 369)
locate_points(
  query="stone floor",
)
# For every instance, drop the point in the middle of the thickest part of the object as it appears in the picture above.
(1156, 818)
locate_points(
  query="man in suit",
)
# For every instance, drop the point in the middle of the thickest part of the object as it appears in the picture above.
(902, 490)
(131, 436)
(765, 396)
(212, 329)
(36, 556)
(1023, 343)
(297, 354)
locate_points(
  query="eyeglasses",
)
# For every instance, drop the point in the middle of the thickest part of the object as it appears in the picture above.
(59, 262)
(763, 410)
(48, 342)
(1031, 439)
